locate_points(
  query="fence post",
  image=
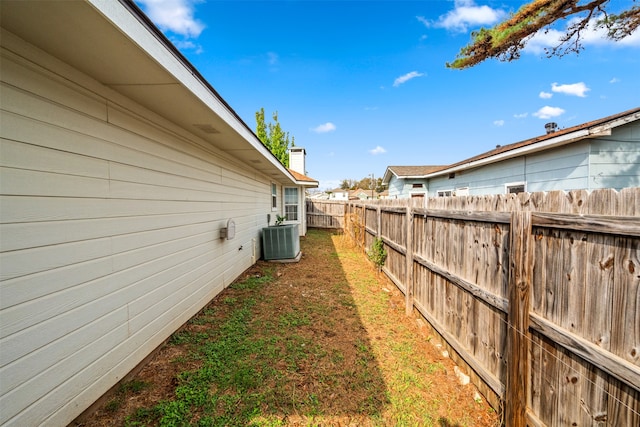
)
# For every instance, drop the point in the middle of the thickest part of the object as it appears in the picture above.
(409, 263)
(347, 219)
(520, 276)
(363, 233)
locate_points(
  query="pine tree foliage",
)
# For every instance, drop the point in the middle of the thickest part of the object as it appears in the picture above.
(506, 39)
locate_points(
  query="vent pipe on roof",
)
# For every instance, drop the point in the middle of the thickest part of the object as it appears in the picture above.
(551, 127)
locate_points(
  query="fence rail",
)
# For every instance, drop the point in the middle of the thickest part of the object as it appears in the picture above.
(325, 214)
(538, 295)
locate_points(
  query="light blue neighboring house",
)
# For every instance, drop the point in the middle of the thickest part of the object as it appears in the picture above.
(603, 153)
(407, 181)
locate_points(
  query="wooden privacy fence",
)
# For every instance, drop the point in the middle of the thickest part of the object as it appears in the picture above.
(538, 295)
(325, 214)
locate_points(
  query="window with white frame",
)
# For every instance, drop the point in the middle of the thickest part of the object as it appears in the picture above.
(515, 187)
(274, 197)
(445, 193)
(291, 203)
(462, 191)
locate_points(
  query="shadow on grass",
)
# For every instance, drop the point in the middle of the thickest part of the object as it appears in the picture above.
(284, 344)
(443, 422)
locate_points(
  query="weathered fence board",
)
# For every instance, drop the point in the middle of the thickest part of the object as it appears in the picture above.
(325, 214)
(561, 348)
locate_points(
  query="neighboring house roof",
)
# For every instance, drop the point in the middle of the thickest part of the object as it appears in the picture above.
(359, 193)
(592, 129)
(304, 180)
(338, 190)
(321, 195)
(407, 172)
(127, 53)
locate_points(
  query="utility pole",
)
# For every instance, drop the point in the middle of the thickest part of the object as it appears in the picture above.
(373, 185)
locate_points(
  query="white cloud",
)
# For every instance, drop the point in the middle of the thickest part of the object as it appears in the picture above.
(598, 36)
(498, 122)
(187, 45)
(614, 80)
(405, 78)
(547, 112)
(575, 89)
(377, 150)
(542, 40)
(273, 58)
(545, 95)
(424, 20)
(546, 39)
(176, 16)
(521, 116)
(324, 128)
(466, 14)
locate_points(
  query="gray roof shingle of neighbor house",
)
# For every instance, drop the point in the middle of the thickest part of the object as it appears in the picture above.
(413, 171)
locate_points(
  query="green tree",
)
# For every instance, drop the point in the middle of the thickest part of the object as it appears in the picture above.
(348, 184)
(273, 137)
(363, 184)
(506, 39)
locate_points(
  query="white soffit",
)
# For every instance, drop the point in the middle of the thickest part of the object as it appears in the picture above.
(107, 41)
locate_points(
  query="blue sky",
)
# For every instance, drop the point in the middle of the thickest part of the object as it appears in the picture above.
(362, 85)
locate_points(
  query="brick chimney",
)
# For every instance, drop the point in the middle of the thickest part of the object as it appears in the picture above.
(296, 159)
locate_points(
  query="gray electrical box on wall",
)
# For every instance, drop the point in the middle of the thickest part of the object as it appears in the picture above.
(229, 232)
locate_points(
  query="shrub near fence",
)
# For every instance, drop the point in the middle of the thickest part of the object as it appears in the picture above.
(538, 295)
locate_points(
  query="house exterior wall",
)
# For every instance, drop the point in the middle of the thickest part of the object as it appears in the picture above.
(339, 195)
(396, 187)
(615, 160)
(402, 188)
(110, 219)
(487, 180)
(563, 168)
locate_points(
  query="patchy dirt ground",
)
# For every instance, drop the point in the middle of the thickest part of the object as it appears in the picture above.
(365, 362)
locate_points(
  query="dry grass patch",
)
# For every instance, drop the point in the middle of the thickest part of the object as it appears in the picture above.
(321, 342)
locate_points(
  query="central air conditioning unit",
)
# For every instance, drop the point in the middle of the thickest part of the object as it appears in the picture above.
(280, 242)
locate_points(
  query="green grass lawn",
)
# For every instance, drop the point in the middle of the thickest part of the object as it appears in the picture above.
(321, 342)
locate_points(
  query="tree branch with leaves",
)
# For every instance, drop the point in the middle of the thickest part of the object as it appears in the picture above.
(273, 137)
(506, 39)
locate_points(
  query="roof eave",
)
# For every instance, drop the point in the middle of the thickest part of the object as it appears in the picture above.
(529, 149)
(118, 47)
(603, 129)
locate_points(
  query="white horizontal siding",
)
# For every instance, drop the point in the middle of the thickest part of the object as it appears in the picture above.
(38, 209)
(24, 235)
(110, 226)
(41, 370)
